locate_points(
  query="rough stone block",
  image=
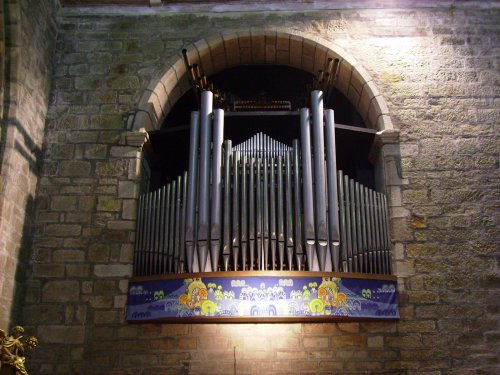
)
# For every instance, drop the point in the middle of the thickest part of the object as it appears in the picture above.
(74, 58)
(47, 217)
(95, 151)
(107, 122)
(61, 291)
(47, 242)
(74, 168)
(88, 83)
(109, 45)
(319, 328)
(296, 51)
(61, 334)
(400, 229)
(347, 341)
(63, 230)
(43, 314)
(79, 70)
(98, 253)
(113, 270)
(349, 327)
(124, 151)
(123, 82)
(129, 209)
(48, 270)
(77, 270)
(62, 151)
(82, 218)
(127, 189)
(140, 360)
(99, 302)
(417, 326)
(375, 342)
(105, 287)
(68, 256)
(418, 297)
(121, 224)
(108, 203)
(331, 365)
(111, 168)
(82, 137)
(109, 136)
(119, 302)
(86, 203)
(315, 342)
(286, 342)
(63, 203)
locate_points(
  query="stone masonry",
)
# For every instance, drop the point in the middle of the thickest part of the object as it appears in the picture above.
(28, 44)
(437, 70)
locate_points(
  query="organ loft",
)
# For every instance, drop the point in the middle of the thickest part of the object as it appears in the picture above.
(271, 204)
(249, 187)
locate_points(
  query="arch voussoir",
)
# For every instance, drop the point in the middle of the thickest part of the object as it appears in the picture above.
(273, 47)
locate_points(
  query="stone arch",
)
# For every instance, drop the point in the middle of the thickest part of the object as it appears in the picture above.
(298, 50)
(229, 49)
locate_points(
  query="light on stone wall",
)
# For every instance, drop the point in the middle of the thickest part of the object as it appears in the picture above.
(260, 337)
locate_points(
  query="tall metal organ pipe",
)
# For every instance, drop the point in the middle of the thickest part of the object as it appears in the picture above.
(299, 248)
(192, 191)
(333, 205)
(226, 244)
(319, 176)
(262, 205)
(204, 179)
(309, 232)
(216, 214)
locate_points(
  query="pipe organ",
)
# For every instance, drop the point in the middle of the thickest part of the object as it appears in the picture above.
(262, 205)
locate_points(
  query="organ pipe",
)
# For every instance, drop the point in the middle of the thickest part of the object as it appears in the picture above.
(319, 176)
(244, 212)
(204, 178)
(309, 232)
(216, 215)
(289, 212)
(235, 241)
(192, 189)
(299, 249)
(333, 217)
(262, 205)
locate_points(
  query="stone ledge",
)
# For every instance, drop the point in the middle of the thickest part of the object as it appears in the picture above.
(137, 138)
(388, 135)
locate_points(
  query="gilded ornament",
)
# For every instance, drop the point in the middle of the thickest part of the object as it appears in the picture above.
(12, 351)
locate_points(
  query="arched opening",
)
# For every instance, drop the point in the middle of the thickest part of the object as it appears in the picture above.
(228, 60)
(223, 51)
(265, 83)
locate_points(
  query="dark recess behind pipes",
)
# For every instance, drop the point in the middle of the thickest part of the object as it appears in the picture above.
(171, 143)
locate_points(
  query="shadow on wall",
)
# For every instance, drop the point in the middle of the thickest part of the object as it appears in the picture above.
(16, 138)
(19, 291)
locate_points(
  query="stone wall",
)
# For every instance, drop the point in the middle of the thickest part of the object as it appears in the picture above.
(436, 68)
(28, 37)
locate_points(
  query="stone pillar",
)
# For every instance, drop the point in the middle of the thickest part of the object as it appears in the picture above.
(27, 39)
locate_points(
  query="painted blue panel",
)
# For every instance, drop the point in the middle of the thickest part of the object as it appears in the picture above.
(262, 296)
